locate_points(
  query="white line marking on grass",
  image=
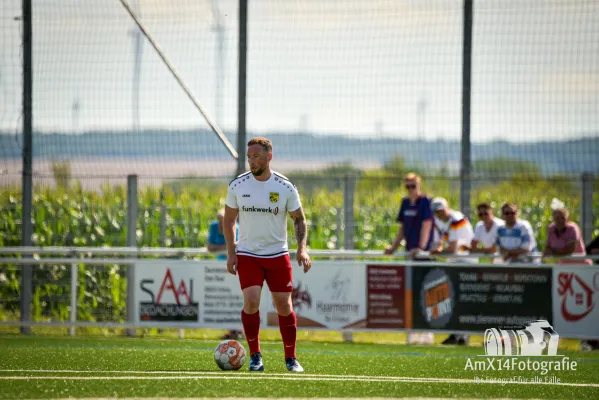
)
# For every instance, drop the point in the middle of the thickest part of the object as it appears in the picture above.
(279, 377)
(274, 398)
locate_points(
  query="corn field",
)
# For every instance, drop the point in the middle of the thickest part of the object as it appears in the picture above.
(178, 215)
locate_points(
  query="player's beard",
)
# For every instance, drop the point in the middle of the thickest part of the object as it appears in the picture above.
(258, 172)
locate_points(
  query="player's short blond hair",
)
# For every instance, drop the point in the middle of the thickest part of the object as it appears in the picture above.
(262, 141)
(412, 177)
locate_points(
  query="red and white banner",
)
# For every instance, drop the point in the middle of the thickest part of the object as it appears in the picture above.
(576, 301)
(332, 295)
(187, 292)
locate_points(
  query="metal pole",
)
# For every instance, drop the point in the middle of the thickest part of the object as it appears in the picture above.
(338, 228)
(242, 83)
(132, 211)
(586, 207)
(162, 220)
(73, 314)
(349, 188)
(131, 242)
(465, 168)
(27, 227)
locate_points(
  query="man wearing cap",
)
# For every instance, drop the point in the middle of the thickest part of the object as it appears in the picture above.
(452, 230)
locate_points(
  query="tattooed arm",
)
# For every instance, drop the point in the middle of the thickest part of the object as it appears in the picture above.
(300, 229)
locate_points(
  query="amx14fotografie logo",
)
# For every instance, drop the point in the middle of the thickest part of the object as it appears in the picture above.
(511, 349)
(536, 338)
(172, 302)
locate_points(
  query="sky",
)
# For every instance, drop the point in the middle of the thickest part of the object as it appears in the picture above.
(358, 68)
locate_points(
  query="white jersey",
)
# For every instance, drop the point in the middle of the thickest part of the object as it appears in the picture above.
(487, 238)
(263, 208)
(456, 229)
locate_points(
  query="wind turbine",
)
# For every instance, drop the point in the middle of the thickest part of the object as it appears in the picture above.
(138, 43)
(76, 108)
(219, 29)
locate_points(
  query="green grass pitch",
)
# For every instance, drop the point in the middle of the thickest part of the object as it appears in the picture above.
(61, 367)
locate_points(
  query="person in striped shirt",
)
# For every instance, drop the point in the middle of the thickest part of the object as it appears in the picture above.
(516, 239)
(452, 230)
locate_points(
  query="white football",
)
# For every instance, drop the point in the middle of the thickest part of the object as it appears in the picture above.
(229, 355)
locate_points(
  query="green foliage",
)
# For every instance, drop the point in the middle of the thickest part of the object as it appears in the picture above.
(74, 216)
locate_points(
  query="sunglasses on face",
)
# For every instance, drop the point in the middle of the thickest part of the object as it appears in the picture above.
(483, 214)
(509, 213)
(410, 186)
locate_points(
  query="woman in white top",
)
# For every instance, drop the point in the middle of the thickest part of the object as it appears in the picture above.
(485, 232)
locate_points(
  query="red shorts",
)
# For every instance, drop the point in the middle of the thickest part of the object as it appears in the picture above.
(253, 271)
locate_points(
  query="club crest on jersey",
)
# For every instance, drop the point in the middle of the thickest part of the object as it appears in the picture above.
(274, 197)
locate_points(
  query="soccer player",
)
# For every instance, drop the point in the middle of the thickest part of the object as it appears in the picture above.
(261, 198)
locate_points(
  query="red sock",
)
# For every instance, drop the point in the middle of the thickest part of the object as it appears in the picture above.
(251, 326)
(288, 327)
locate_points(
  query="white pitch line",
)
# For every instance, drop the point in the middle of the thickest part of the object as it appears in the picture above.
(299, 377)
(203, 373)
(198, 377)
(275, 398)
(264, 375)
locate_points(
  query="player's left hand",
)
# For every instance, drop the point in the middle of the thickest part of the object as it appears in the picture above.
(303, 259)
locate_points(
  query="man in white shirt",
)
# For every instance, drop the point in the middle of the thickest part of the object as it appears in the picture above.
(261, 198)
(485, 232)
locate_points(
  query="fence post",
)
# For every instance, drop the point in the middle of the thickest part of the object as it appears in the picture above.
(349, 187)
(162, 220)
(586, 206)
(338, 228)
(242, 85)
(132, 211)
(73, 314)
(465, 167)
(132, 203)
(191, 240)
(27, 176)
